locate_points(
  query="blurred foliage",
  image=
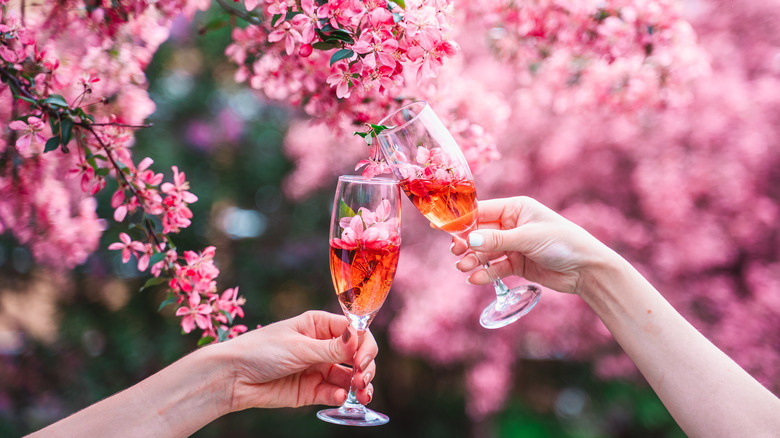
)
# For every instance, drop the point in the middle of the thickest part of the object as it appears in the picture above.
(229, 144)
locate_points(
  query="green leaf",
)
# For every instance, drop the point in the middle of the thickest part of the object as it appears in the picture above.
(52, 144)
(156, 257)
(67, 130)
(324, 46)
(102, 171)
(274, 19)
(172, 299)
(205, 340)
(56, 100)
(154, 281)
(400, 3)
(341, 36)
(378, 128)
(345, 210)
(341, 54)
(26, 99)
(229, 316)
(222, 333)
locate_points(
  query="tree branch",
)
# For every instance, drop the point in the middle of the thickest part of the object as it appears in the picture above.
(244, 15)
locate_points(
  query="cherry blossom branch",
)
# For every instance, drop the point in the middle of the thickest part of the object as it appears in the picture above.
(244, 15)
(190, 278)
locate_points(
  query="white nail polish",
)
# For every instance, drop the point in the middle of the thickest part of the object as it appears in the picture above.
(476, 239)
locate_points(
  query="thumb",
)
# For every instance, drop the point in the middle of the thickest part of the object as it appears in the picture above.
(499, 240)
(336, 350)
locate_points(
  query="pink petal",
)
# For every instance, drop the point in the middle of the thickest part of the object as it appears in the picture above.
(120, 213)
(188, 324)
(276, 35)
(143, 262)
(118, 198)
(145, 163)
(125, 238)
(342, 91)
(23, 142)
(18, 125)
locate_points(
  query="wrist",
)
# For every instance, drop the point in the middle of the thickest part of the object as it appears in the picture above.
(220, 362)
(601, 276)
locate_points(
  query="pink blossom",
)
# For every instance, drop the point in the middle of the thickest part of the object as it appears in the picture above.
(277, 7)
(344, 78)
(378, 49)
(195, 313)
(230, 302)
(307, 21)
(373, 168)
(340, 13)
(128, 247)
(179, 187)
(287, 33)
(31, 129)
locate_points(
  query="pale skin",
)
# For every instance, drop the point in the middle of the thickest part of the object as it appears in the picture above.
(290, 363)
(706, 392)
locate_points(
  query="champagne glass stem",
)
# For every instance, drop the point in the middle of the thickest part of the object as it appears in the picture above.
(501, 288)
(352, 402)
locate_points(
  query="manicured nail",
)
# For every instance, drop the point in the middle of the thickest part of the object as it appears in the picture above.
(346, 336)
(476, 239)
(370, 394)
(367, 379)
(364, 363)
(452, 246)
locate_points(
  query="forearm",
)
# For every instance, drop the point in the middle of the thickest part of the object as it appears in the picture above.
(175, 402)
(706, 392)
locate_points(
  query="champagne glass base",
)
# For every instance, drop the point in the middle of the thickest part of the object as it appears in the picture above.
(510, 307)
(353, 416)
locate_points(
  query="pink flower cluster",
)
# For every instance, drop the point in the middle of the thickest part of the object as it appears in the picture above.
(342, 60)
(368, 229)
(619, 54)
(92, 57)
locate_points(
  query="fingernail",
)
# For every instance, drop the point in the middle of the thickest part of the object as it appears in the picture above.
(367, 379)
(346, 336)
(476, 239)
(452, 246)
(370, 394)
(364, 363)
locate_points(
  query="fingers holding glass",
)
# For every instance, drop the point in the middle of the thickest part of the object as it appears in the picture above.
(436, 178)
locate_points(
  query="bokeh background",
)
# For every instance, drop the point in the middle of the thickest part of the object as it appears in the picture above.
(689, 194)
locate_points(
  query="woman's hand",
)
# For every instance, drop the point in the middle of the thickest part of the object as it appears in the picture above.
(297, 362)
(520, 236)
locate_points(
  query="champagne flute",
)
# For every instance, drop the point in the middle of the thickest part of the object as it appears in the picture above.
(435, 176)
(365, 240)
